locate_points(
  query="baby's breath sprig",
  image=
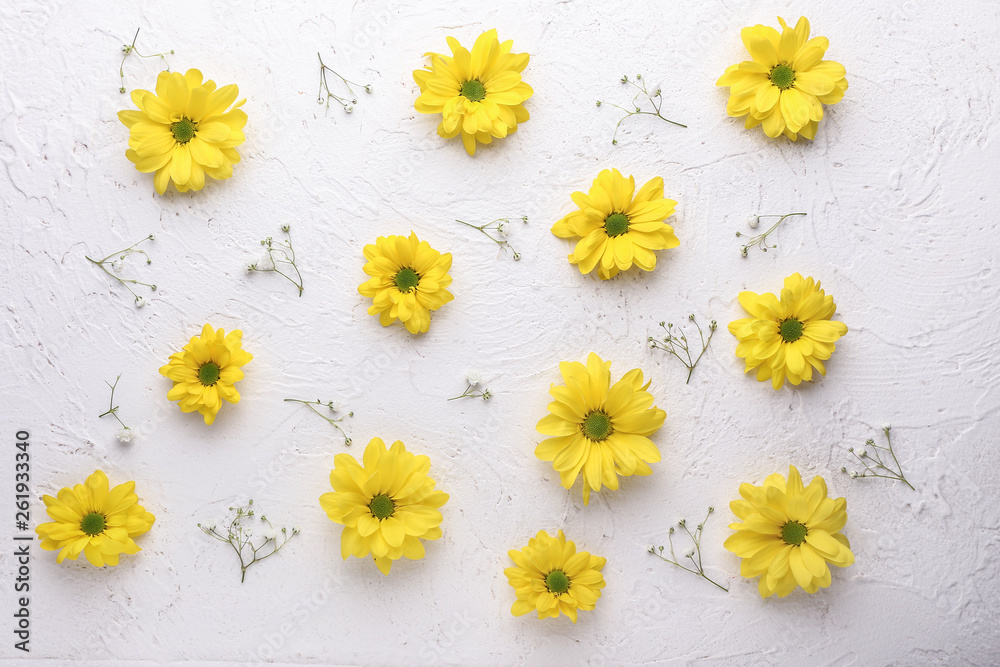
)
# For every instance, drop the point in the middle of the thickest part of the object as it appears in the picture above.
(676, 345)
(694, 555)
(872, 461)
(334, 407)
(279, 253)
(240, 536)
(502, 227)
(760, 240)
(118, 264)
(125, 434)
(473, 379)
(129, 49)
(348, 104)
(655, 99)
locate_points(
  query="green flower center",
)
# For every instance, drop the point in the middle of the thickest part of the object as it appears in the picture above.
(597, 426)
(208, 374)
(183, 130)
(407, 280)
(794, 533)
(557, 581)
(473, 90)
(783, 76)
(791, 330)
(616, 224)
(382, 506)
(93, 524)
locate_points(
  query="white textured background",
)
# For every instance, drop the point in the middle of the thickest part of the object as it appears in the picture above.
(900, 187)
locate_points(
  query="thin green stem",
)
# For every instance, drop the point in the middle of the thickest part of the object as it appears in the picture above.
(121, 255)
(284, 253)
(697, 567)
(678, 344)
(499, 225)
(112, 408)
(472, 392)
(347, 104)
(129, 49)
(335, 422)
(760, 240)
(655, 100)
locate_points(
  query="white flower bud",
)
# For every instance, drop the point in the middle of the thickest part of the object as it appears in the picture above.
(139, 302)
(861, 452)
(753, 221)
(474, 377)
(117, 266)
(125, 435)
(296, 529)
(210, 524)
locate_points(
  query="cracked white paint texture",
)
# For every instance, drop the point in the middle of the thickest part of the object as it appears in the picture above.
(900, 191)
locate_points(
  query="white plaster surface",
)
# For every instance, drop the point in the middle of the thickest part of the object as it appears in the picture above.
(900, 188)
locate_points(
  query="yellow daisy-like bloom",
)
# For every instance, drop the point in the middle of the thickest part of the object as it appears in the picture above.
(92, 519)
(409, 280)
(185, 131)
(618, 226)
(599, 429)
(785, 86)
(553, 578)
(386, 505)
(206, 371)
(790, 336)
(479, 94)
(789, 534)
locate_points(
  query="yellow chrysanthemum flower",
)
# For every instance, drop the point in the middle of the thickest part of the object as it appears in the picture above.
(386, 505)
(552, 577)
(785, 86)
(617, 229)
(409, 280)
(185, 131)
(599, 429)
(790, 336)
(789, 534)
(479, 94)
(91, 519)
(206, 371)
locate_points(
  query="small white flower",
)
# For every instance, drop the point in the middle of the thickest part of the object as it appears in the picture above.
(209, 524)
(125, 435)
(861, 452)
(270, 533)
(690, 553)
(264, 262)
(117, 266)
(855, 475)
(335, 406)
(139, 302)
(753, 221)
(296, 529)
(474, 377)
(248, 532)
(886, 427)
(152, 237)
(502, 229)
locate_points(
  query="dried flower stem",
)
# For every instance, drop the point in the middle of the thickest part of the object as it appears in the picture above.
(240, 538)
(501, 226)
(112, 408)
(284, 253)
(348, 104)
(694, 555)
(676, 345)
(656, 100)
(472, 392)
(129, 49)
(874, 464)
(333, 408)
(760, 240)
(121, 255)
